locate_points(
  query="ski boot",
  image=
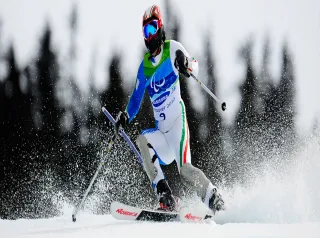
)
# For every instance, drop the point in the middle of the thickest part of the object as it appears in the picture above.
(215, 202)
(166, 201)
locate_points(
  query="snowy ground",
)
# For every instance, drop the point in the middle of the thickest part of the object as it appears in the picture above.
(106, 226)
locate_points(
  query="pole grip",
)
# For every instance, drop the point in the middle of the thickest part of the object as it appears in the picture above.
(124, 135)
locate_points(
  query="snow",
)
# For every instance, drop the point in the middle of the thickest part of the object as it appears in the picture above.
(106, 226)
(282, 200)
(278, 203)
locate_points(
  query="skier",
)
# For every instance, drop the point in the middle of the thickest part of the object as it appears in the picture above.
(169, 140)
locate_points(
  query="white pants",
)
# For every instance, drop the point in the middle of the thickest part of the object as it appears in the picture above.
(169, 142)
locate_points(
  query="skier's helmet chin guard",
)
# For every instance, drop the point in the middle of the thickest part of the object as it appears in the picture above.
(152, 29)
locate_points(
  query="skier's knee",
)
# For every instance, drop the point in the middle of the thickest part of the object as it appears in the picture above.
(194, 175)
(143, 147)
(146, 157)
(188, 170)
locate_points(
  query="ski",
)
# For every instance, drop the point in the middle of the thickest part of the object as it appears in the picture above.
(192, 215)
(122, 211)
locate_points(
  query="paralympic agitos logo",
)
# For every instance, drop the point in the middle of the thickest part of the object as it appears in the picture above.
(156, 86)
(161, 99)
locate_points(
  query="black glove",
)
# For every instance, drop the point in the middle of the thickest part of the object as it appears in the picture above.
(121, 120)
(181, 63)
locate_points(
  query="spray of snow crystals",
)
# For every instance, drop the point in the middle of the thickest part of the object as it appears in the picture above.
(279, 191)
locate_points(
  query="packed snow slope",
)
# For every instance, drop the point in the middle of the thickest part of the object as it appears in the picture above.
(105, 226)
(280, 201)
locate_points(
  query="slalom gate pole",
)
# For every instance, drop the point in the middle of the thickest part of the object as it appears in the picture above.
(223, 104)
(102, 161)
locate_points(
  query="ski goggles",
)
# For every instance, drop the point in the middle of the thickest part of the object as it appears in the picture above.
(150, 29)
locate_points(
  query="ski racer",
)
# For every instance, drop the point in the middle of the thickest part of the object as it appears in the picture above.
(169, 139)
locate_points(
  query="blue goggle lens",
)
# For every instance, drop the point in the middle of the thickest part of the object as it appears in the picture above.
(150, 29)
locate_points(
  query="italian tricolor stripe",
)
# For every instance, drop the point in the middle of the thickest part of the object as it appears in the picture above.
(184, 142)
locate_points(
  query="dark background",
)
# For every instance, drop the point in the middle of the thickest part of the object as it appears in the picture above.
(50, 148)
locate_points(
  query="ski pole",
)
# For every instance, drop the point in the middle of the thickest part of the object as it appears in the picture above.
(223, 104)
(102, 161)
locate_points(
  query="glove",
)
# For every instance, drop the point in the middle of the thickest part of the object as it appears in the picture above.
(121, 120)
(181, 63)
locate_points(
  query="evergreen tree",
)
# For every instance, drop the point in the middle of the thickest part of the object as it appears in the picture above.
(73, 23)
(80, 138)
(46, 154)
(280, 106)
(114, 97)
(246, 118)
(269, 97)
(246, 129)
(2, 85)
(213, 161)
(95, 117)
(287, 90)
(172, 26)
(286, 101)
(13, 168)
(48, 76)
(267, 88)
(16, 117)
(14, 99)
(76, 108)
(2, 108)
(24, 168)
